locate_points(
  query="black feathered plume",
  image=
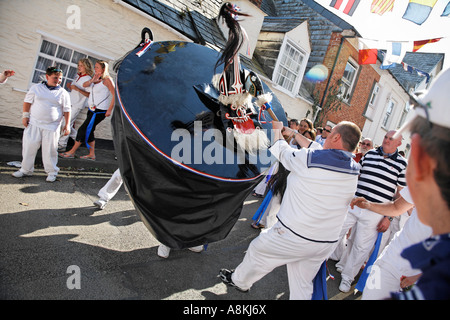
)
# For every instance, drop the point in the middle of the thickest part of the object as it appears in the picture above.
(230, 13)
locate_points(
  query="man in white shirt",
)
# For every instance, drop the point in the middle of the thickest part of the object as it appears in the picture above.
(309, 222)
(44, 107)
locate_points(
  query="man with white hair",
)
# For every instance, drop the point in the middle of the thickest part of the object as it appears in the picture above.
(382, 174)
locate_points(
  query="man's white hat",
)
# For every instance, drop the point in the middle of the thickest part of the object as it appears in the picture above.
(435, 101)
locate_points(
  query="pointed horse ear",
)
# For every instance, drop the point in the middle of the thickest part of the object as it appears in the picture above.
(144, 32)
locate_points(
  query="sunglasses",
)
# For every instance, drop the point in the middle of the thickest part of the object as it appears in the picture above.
(55, 69)
(365, 144)
(327, 130)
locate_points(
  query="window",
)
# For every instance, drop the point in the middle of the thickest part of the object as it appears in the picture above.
(388, 114)
(370, 107)
(290, 68)
(405, 111)
(65, 58)
(375, 91)
(348, 80)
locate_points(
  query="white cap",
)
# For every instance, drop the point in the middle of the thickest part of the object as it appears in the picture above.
(437, 101)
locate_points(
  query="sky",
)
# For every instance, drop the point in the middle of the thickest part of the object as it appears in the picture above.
(391, 25)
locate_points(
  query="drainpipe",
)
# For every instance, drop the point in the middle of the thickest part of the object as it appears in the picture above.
(319, 108)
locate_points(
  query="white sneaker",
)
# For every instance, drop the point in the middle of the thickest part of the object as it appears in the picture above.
(163, 251)
(345, 285)
(101, 204)
(196, 249)
(20, 174)
(51, 178)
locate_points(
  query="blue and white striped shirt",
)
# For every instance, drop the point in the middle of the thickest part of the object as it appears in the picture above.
(380, 176)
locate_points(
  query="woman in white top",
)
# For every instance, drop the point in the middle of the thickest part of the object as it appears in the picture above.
(101, 103)
(78, 98)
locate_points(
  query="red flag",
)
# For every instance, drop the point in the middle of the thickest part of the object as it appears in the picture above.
(349, 8)
(421, 43)
(367, 52)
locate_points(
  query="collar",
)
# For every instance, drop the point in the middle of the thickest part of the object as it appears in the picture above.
(81, 75)
(428, 252)
(392, 155)
(333, 160)
(50, 87)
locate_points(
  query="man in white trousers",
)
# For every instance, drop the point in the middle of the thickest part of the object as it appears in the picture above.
(109, 190)
(391, 272)
(44, 107)
(382, 175)
(308, 222)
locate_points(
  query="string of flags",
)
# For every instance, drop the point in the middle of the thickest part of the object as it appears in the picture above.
(417, 11)
(394, 53)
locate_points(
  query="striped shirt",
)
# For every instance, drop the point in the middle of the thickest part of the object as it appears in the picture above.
(380, 176)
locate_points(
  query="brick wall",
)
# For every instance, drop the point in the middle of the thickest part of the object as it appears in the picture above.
(365, 77)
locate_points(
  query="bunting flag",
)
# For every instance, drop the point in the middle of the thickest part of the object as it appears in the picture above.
(395, 52)
(446, 10)
(418, 10)
(412, 69)
(368, 51)
(421, 43)
(349, 7)
(365, 274)
(382, 6)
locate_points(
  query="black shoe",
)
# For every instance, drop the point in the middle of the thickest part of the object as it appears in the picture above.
(225, 276)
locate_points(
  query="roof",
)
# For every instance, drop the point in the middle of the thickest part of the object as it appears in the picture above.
(193, 19)
(283, 24)
(422, 61)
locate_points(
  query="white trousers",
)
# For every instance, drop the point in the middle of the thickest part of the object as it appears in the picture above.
(113, 185)
(278, 246)
(381, 282)
(365, 235)
(35, 138)
(74, 112)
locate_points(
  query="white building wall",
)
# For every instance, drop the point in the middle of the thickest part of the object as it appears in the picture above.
(107, 29)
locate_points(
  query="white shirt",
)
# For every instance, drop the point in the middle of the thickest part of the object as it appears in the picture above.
(47, 106)
(76, 98)
(316, 200)
(413, 232)
(100, 96)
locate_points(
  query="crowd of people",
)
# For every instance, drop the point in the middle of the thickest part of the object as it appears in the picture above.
(50, 112)
(355, 191)
(354, 197)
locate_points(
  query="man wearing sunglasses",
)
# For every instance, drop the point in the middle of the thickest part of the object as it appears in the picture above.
(44, 107)
(364, 146)
(325, 132)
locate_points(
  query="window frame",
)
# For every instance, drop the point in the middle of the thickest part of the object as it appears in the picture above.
(387, 116)
(346, 96)
(286, 45)
(44, 36)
